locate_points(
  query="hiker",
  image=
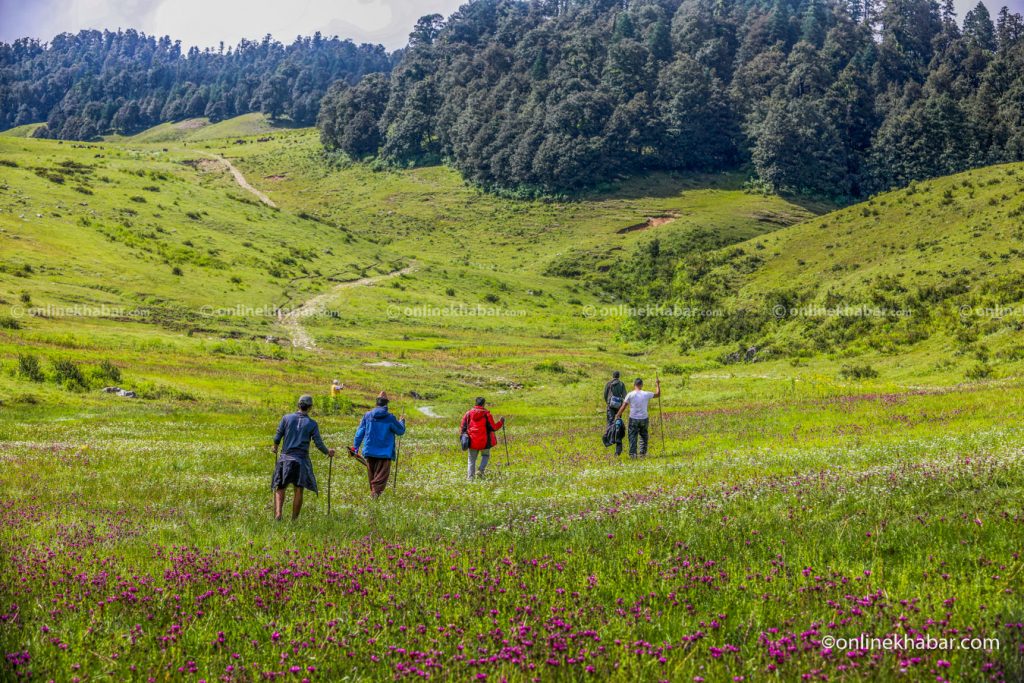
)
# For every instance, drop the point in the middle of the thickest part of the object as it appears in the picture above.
(293, 465)
(479, 425)
(376, 434)
(336, 388)
(614, 393)
(637, 401)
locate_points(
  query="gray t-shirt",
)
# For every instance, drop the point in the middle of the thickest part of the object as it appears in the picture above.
(637, 401)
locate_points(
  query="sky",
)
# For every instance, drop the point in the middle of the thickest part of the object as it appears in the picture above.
(205, 23)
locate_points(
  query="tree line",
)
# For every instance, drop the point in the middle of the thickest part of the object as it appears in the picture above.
(98, 82)
(837, 98)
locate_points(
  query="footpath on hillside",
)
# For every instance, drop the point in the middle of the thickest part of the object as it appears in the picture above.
(240, 178)
(292, 320)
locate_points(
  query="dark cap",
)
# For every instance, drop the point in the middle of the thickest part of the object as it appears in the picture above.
(305, 401)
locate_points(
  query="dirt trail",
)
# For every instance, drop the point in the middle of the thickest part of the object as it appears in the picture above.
(240, 179)
(652, 222)
(292, 320)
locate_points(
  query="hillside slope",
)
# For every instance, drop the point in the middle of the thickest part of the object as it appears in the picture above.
(197, 129)
(940, 258)
(152, 256)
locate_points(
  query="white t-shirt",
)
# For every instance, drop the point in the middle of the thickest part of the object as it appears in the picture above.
(638, 400)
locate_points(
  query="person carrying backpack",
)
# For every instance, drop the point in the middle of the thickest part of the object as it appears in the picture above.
(614, 394)
(637, 401)
(478, 435)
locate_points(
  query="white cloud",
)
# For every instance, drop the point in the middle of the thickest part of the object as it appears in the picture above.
(205, 23)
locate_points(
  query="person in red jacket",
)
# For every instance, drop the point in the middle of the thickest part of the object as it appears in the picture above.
(479, 424)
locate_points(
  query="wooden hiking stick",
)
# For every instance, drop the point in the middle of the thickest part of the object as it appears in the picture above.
(661, 413)
(398, 451)
(504, 438)
(330, 468)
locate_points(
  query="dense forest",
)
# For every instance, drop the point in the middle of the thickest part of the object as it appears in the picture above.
(836, 98)
(93, 83)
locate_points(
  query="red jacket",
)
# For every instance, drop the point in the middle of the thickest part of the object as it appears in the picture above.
(481, 427)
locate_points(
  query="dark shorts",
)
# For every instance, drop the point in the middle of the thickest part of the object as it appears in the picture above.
(296, 471)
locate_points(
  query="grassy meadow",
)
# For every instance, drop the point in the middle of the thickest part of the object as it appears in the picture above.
(783, 504)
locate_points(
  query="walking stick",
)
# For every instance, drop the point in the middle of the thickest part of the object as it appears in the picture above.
(398, 451)
(330, 468)
(504, 438)
(661, 413)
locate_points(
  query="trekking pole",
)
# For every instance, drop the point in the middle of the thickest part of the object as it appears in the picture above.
(661, 412)
(398, 451)
(504, 438)
(330, 469)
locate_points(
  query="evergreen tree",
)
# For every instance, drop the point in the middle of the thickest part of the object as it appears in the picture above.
(979, 29)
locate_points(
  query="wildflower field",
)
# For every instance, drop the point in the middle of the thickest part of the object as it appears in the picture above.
(786, 516)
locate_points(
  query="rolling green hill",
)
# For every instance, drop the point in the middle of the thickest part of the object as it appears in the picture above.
(172, 261)
(24, 131)
(198, 129)
(934, 267)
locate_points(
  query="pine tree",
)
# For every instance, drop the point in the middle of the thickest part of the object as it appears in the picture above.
(979, 29)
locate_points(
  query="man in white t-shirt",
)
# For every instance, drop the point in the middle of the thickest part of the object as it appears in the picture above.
(637, 401)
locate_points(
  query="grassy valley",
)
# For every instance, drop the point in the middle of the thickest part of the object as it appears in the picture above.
(787, 498)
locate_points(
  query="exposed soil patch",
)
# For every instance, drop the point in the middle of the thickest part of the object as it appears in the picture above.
(652, 222)
(775, 218)
(191, 124)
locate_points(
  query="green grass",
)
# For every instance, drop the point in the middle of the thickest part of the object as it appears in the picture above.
(201, 129)
(24, 131)
(792, 499)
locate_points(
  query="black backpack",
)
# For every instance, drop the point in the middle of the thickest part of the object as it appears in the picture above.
(616, 430)
(464, 436)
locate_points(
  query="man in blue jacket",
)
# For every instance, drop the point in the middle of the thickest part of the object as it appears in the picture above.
(376, 434)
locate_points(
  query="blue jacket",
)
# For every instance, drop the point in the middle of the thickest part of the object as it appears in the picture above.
(377, 432)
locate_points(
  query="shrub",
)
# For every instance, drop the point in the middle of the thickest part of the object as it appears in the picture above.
(491, 298)
(176, 271)
(109, 371)
(9, 323)
(28, 367)
(979, 371)
(863, 371)
(148, 390)
(68, 374)
(550, 366)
